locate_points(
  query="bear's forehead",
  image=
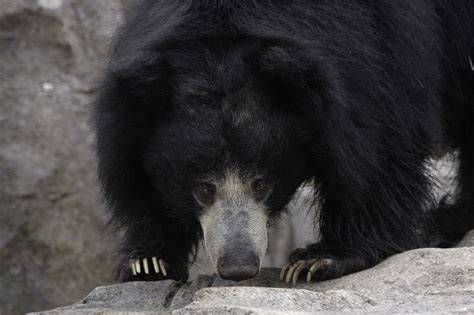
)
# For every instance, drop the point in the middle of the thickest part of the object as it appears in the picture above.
(203, 68)
(212, 82)
(241, 107)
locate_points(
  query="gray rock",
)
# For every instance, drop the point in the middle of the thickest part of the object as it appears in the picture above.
(418, 281)
(467, 241)
(242, 300)
(154, 297)
(186, 293)
(52, 249)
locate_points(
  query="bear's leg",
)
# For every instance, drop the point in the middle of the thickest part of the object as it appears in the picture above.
(322, 262)
(360, 228)
(151, 253)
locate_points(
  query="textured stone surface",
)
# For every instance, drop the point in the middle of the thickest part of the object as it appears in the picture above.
(467, 241)
(51, 246)
(154, 297)
(265, 300)
(418, 281)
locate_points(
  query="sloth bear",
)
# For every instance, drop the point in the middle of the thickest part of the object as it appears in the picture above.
(212, 113)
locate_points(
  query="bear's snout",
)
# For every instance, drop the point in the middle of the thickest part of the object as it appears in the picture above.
(234, 228)
(238, 265)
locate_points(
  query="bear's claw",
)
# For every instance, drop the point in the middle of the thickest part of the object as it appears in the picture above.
(158, 265)
(293, 270)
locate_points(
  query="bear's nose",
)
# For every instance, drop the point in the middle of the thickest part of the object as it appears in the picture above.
(238, 266)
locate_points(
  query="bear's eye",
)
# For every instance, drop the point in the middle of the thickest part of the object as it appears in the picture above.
(205, 193)
(208, 190)
(259, 185)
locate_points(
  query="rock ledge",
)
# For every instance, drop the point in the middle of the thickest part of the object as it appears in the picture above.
(417, 281)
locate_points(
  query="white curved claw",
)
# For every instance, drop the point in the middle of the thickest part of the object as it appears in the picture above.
(145, 266)
(138, 268)
(155, 264)
(132, 266)
(162, 266)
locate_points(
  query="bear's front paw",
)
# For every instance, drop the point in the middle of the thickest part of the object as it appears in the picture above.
(148, 266)
(152, 268)
(293, 270)
(325, 262)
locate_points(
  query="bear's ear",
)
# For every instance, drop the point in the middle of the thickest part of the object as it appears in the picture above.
(303, 74)
(144, 78)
